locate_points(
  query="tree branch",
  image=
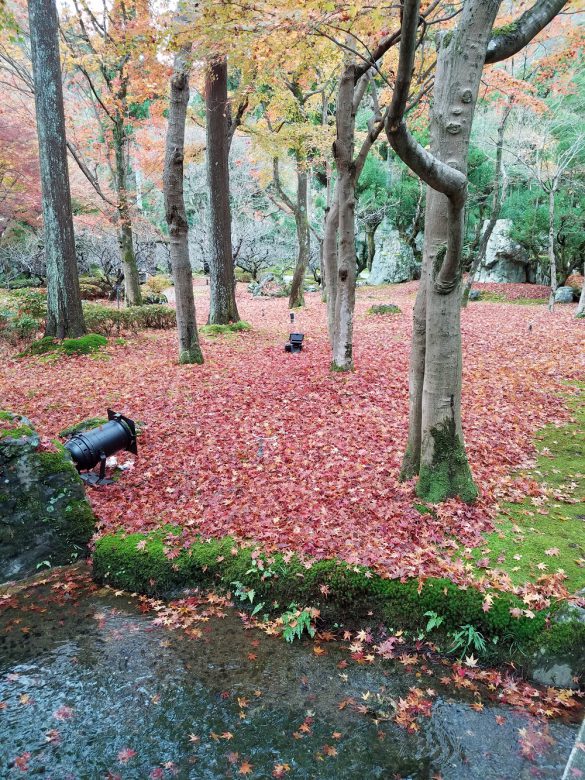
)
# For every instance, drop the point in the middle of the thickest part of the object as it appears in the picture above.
(510, 40)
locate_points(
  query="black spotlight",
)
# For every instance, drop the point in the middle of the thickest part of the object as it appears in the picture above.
(89, 448)
(295, 343)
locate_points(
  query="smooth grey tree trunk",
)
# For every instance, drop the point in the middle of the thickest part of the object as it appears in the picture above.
(222, 306)
(125, 238)
(435, 374)
(64, 311)
(189, 347)
(330, 259)
(552, 259)
(343, 149)
(301, 214)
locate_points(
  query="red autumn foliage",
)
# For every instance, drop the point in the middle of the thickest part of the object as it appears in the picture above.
(274, 448)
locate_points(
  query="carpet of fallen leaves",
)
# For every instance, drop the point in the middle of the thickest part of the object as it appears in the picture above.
(275, 448)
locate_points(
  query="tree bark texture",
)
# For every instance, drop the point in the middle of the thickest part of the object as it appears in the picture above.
(222, 308)
(189, 347)
(346, 262)
(435, 376)
(64, 311)
(552, 259)
(301, 214)
(125, 238)
(435, 420)
(330, 260)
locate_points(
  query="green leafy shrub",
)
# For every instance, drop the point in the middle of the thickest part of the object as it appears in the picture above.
(384, 308)
(33, 303)
(243, 276)
(152, 298)
(18, 329)
(157, 284)
(90, 292)
(106, 320)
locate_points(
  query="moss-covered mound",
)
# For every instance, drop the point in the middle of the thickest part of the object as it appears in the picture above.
(45, 519)
(221, 330)
(84, 345)
(155, 563)
(384, 308)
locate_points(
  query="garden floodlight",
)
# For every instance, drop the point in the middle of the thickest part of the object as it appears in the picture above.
(295, 343)
(88, 448)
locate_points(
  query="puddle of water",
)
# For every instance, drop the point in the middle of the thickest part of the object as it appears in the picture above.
(90, 688)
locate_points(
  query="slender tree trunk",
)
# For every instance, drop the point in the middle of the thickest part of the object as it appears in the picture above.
(551, 245)
(125, 239)
(580, 312)
(371, 243)
(189, 348)
(222, 308)
(500, 182)
(330, 260)
(64, 312)
(346, 267)
(297, 297)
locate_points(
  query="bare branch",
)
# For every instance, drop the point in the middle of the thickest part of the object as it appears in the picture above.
(506, 43)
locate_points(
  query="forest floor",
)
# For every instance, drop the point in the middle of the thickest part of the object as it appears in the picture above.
(276, 449)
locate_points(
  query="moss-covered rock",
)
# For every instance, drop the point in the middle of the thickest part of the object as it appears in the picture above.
(44, 515)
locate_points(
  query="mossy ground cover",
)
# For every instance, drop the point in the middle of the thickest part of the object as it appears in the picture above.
(225, 330)
(542, 534)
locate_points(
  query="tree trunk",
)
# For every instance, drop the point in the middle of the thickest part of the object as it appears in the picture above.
(581, 305)
(125, 240)
(222, 306)
(64, 311)
(297, 297)
(500, 182)
(346, 266)
(551, 245)
(330, 260)
(443, 467)
(189, 349)
(371, 244)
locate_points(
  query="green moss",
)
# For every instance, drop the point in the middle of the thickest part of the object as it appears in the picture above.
(505, 29)
(449, 474)
(41, 346)
(17, 433)
(6, 415)
(384, 308)
(80, 521)
(190, 356)
(54, 463)
(528, 529)
(84, 345)
(119, 561)
(232, 327)
(84, 425)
